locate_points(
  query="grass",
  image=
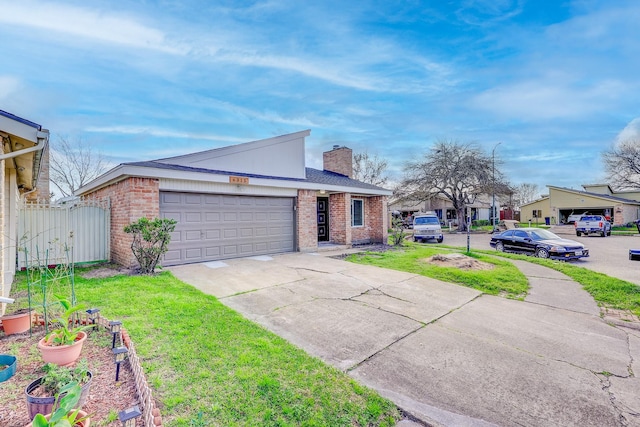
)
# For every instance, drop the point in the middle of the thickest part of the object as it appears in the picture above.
(503, 279)
(210, 366)
(607, 291)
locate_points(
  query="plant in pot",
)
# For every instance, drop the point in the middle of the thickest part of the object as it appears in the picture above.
(66, 413)
(18, 319)
(63, 345)
(40, 394)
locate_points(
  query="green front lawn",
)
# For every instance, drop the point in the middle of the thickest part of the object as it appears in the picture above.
(503, 279)
(210, 366)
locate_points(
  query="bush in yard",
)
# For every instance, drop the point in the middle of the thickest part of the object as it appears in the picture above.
(150, 241)
(397, 232)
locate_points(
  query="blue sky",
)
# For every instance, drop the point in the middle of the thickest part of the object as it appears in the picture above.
(555, 82)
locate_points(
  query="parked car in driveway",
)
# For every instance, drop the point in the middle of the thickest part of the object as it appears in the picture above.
(571, 219)
(538, 242)
(593, 224)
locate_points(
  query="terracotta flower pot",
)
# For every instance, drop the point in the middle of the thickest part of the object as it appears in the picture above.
(16, 323)
(63, 355)
(81, 414)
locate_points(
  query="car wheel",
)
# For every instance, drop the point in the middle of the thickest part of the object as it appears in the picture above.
(542, 253)
(415, 240)
(603, 233)
(578, 233)
(440, 239)
(609, 233)
(500, 247)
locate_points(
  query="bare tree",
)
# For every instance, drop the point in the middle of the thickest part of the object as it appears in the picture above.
(458, 171)
(622, 162)
(74, 163)
(370, 169)
(525, 193)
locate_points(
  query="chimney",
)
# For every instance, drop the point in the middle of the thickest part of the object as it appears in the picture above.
(339, 160)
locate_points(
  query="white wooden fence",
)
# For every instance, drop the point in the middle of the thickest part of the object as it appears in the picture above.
(76, 231)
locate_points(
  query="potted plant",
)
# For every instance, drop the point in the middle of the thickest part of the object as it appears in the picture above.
(40, 394)
(66, 414)
(63, 345)
(17, 322)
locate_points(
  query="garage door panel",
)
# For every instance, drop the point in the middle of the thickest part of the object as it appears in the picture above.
(193, 254)
(192, 235)
(214, 226)
(171, 198)
(212, 216)
(193, 217)
(212, 234)
(212, 252)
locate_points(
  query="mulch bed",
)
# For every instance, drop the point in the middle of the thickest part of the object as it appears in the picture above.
(106, 397)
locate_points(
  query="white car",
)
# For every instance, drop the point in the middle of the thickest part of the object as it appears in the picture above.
(573, 218)
(426, 227)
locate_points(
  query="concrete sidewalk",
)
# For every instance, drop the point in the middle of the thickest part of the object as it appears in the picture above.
(447, 355)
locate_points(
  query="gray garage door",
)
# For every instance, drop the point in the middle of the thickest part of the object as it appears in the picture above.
(215, 226)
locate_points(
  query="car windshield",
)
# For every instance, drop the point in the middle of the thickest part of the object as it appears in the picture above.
(590, 218)
(543, 235)
(424, 220)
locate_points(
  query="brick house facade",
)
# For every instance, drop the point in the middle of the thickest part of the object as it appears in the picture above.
(249, 199)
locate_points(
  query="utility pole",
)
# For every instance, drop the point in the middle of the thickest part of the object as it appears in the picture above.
(493, 188)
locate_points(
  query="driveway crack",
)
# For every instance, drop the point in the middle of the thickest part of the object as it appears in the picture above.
(408, 334)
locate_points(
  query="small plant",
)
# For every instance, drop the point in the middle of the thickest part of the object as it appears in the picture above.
(397, 232)
(67, 333)
(56, 377)
(65, 415)
(150, 241)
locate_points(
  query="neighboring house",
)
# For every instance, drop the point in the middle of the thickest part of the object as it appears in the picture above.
(243, 200)
(23, 156)
(443, 207)
(621, 206)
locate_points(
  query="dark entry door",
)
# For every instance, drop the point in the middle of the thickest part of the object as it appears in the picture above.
(323, 219)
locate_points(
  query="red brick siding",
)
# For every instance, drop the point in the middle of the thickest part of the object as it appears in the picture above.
(374, 229)
(130, 200)
(340, 218)
(307, 220)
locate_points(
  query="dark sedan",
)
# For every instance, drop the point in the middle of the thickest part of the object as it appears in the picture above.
(539, 242)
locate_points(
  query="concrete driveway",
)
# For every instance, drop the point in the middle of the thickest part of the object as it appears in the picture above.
(446, 354)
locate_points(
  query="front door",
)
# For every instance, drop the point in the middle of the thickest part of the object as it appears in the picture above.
(323, 219)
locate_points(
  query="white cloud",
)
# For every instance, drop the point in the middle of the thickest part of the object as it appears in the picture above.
(161, 133)
(85, 23)
(8, 85)
(630, 132)
(548, 98)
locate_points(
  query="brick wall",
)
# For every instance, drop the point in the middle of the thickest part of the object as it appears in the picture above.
(130, 199)
(376, 212)
(339, 160)
(307, 220)
(375, 228)
(340, 218)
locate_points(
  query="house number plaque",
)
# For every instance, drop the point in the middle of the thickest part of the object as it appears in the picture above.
(238, 180)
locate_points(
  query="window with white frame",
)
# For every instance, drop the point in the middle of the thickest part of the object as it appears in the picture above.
(357, 212)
